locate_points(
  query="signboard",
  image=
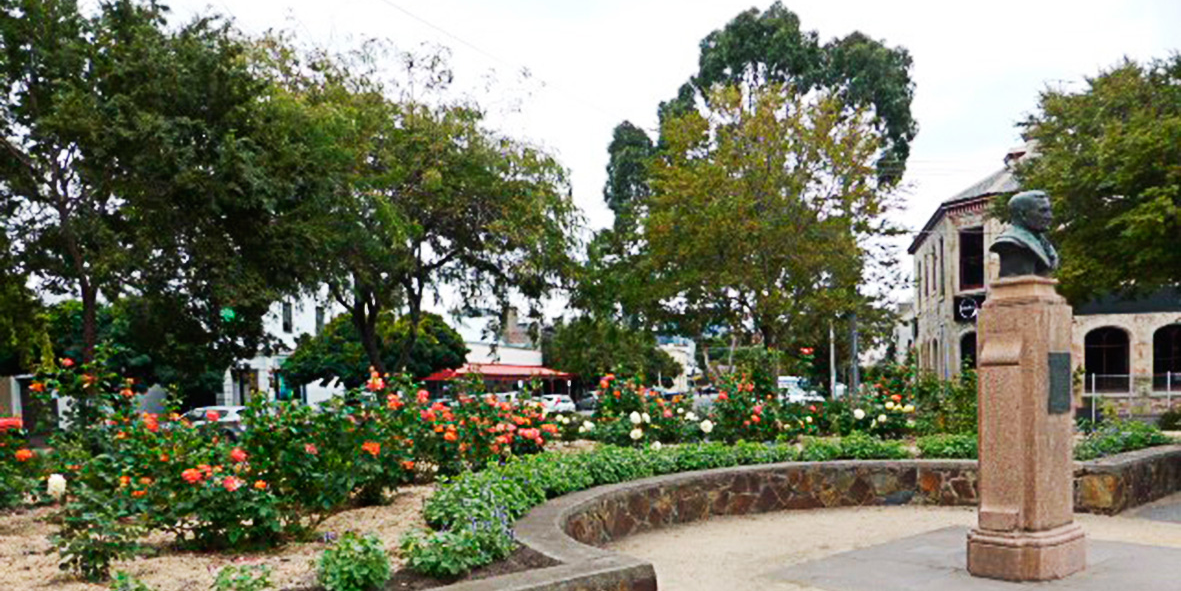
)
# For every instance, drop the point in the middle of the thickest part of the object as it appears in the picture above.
(1060, 382)
(965, 308)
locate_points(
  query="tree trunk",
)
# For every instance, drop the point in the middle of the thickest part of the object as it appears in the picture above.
(364, 313)
(414, 302)
(89, 321)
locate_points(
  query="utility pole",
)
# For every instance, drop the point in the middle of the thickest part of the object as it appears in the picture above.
(832, 361)
(855, 372)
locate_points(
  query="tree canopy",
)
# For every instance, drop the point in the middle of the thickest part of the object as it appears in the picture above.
(593, 347)
(755, 49)
(140, 158)
(430, 196)
(765, 212)
(337, 354)
(1109, 158)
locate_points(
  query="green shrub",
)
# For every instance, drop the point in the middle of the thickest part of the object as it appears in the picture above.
(473, 513)
(949, 446)
(856, 446)
(243, 578)
(1170, 420)
(1118, 436)
(126, 582)
(354, 563)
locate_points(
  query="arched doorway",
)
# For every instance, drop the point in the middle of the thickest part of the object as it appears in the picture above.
(1107, 361)
(968, 350)
(1166, 359)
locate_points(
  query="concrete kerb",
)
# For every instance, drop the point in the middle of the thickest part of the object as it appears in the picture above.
(1131, 479)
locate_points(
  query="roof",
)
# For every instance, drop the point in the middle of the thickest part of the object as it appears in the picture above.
(498, 371)
(997, 183)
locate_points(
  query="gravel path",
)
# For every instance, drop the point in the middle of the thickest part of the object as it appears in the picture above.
(28, 562)
(738, 552)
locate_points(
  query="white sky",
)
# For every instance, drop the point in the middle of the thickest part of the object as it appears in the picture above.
(978, 67)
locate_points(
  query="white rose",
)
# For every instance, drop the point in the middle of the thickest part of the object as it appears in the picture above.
(690, 416)
(859, 414)
(56, 486)
(707, 426)
(647, 419)
(809, 419)
(908, 408)
(635, 418)
(656, 445)
(588, 425)
(910, 424)
(681, 410)
(636, 434)
(889, 404)
(881, 418)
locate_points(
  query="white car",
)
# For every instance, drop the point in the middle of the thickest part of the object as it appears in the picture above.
(229, 418)
(553, 403)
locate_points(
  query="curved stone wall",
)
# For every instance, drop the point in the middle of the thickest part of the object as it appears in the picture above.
(571, 528)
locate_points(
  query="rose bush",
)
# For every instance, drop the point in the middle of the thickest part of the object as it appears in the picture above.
(130, 473)
(629, 414)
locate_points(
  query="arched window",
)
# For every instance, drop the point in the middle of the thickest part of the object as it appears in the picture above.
(968, 350)
(1166, 358)
(1106, 362)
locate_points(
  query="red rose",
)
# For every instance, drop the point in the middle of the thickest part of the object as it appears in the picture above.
(191, 476)
(67, 362)
(238, 455)
(232, 483)
(311, 448)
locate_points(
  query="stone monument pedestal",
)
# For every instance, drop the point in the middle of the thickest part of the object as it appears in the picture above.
(1026, 529)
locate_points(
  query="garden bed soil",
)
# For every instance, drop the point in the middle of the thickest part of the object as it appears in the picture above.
(28, 561)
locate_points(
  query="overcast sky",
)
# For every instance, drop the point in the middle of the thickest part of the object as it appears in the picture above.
(978, 67)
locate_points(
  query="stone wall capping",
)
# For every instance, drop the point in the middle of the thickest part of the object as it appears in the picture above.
(571, 528)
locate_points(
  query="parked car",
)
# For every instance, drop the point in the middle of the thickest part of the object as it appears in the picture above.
(557, 403)
(795, 389)
(229, 418)
(587, 403)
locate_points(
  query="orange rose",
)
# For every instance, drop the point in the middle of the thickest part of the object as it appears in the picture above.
(138, 493)
(24, 455)
(260, 485)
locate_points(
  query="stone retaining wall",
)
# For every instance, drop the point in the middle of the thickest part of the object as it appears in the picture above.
(1117, 483)
(571, 528)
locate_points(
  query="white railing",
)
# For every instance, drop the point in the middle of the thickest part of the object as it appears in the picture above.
(1162, 384)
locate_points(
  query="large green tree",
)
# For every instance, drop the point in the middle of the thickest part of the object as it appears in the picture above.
(142, 158)
(867, 84)
(336, 354)
(433, 197)
(1110, 157)
(756, 49)
(591, 347)
(765, 213)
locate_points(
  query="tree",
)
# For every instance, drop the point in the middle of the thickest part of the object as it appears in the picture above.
(146, 160)
(337, 353)
(765, 213)
(148, 339)
(755, 50)
(432, 197)
(1108, 158)
(627, 171)
(593, 347)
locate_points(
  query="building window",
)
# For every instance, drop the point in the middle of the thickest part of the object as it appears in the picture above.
(939, 271)
(972, 258)
(1106, 361)
(288, 317)
(968, 350)
(319, 319)
(1166, 359)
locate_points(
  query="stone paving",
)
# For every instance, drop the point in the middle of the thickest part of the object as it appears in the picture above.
(935, 561)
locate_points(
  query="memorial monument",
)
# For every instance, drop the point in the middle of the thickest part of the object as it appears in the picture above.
(1026, 529)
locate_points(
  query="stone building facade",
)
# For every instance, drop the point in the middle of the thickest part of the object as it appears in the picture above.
(1127, 351)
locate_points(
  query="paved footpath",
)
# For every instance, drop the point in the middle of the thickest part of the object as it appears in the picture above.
(778, 551)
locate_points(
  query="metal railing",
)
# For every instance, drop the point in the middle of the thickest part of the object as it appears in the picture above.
(1115, 385)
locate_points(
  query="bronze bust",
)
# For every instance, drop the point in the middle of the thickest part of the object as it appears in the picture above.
(1023, 246)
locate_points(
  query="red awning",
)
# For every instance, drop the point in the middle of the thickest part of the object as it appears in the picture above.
(497, 371)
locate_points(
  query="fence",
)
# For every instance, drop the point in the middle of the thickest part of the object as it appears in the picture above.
(1114, 385)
